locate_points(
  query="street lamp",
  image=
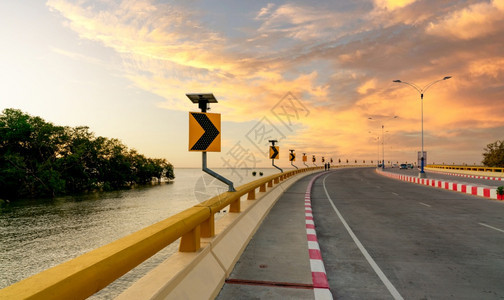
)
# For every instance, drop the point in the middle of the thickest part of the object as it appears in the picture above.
(422, 92)
(383, 144)
(377, 139)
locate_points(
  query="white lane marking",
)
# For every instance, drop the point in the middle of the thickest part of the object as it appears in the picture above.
(395, 194)
(424, 204)
(393, 291)
(491, 227)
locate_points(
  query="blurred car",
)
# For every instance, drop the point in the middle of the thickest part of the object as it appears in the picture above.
(410, 166)
(403, 166)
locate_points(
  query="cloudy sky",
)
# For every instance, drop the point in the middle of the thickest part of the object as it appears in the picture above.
(307, 73)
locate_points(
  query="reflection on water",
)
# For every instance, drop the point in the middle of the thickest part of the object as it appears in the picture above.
(36, 235)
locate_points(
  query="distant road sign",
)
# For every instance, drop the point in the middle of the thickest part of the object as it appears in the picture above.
(204, 132)
(323, 159)
(305, 158)
(313, 159)
(274, 152)
(292, 156)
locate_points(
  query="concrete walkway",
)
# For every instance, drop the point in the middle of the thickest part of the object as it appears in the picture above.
(276, 262)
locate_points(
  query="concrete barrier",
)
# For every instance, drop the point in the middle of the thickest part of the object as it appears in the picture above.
(475, 170)
(453, 186)
(201, 274)
(469, 174)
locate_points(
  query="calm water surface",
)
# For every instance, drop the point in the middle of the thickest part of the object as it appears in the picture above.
(36, 235)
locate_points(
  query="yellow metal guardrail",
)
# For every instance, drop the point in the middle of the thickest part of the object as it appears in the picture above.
(467, 168)
(85, 275)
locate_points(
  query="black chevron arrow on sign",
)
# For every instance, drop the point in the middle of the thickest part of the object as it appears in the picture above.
(275, 152)
(292, 156)
(211, 132)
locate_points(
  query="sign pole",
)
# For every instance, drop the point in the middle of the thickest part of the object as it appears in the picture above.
(273, 159)
(217, 176)
(203, 101)
(292, 158)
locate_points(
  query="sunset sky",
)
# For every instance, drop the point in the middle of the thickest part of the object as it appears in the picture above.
(307, 73)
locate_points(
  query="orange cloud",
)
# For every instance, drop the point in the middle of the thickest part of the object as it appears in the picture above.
(169, 55)
(477, 20)
(392, 4)
(493, 67)
(342, 76)
(297, 21)
(367, 86)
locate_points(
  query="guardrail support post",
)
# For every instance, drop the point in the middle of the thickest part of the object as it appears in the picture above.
(208, 227)
(251, 195)
(235, 207)
(262, 188)
(276, 180)
(270, 183)
(190, 241)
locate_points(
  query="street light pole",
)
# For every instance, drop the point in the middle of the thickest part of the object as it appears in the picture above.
(422, 92)
(378, 150)
(382, 148)
(383, 140)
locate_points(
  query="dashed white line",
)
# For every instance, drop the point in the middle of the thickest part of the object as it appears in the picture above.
(393, 291)
(491, 227)
(424, 204)
(395, 194)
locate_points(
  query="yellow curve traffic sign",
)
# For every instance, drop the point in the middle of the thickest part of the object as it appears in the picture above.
(204, 132)
(274, 152)
(292, 156)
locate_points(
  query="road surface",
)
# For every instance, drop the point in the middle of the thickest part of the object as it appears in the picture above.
(382, 239)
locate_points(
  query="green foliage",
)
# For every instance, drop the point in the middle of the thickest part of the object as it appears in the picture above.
(40, 159)
(500, 190)
(494, 155)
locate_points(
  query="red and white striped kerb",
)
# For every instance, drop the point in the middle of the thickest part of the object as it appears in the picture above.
(481, 191)
(469, 176)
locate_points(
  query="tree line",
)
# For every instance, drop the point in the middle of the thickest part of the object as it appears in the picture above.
(39, 159)
(494, 154)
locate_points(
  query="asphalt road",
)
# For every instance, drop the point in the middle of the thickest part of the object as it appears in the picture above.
(403, 240)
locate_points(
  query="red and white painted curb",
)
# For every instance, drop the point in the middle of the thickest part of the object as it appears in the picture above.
(448, 185)
(319, 276)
